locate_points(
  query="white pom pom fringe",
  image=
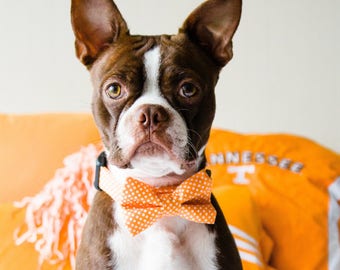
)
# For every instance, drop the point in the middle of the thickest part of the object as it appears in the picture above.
(55, 216)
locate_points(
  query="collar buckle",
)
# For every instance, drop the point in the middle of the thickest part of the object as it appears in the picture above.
(101, 162)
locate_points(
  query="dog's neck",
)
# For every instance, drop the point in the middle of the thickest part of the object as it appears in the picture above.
(158, 171)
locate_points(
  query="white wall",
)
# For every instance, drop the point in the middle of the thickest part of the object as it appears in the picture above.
(285, 75)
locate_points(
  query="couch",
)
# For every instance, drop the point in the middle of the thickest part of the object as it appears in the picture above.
(279, 193)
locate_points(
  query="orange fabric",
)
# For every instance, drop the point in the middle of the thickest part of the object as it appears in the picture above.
(36, 144)
(143, 204)
(288, 178)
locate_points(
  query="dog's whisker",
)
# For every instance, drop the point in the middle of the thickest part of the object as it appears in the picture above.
(197, 134)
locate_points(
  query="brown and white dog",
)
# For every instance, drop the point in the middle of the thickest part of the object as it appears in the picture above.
(154, 104)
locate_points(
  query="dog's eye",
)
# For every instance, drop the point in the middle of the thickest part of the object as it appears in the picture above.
(188, 90)
(114, 90)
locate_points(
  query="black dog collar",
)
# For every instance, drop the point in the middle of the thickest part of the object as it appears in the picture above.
(102, 162)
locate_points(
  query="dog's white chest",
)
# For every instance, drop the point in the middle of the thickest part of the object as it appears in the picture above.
(170, 244)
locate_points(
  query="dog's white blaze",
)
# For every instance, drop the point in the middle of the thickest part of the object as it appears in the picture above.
(152, 62)
(151, 92)
(163, 164)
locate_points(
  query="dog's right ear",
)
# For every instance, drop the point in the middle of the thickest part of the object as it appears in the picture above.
(212, 26)
(96, 24)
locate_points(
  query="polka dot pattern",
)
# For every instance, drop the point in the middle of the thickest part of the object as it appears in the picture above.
(144, 204)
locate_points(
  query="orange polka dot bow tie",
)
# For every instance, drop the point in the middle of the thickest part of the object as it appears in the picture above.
(143, 204)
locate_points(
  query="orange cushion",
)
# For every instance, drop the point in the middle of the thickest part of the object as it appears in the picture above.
(295, 184)
(34, 146)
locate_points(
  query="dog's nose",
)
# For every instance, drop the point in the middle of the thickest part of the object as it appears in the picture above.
(152, 116)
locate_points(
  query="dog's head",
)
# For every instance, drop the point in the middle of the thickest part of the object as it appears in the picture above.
(153, 98)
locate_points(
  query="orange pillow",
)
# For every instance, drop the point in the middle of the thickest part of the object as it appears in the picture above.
(33, 146)
(295, 184)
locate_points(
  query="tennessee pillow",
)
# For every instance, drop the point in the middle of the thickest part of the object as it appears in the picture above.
(295, 184)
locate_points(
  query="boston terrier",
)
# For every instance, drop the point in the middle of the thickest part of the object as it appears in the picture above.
(154, 104)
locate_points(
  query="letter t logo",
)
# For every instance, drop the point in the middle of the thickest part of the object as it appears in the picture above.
(241, 173)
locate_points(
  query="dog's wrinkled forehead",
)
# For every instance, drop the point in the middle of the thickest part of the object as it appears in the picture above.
(164, 59)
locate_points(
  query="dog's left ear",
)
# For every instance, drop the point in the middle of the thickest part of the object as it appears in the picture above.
(96, 24)
(212, 25)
